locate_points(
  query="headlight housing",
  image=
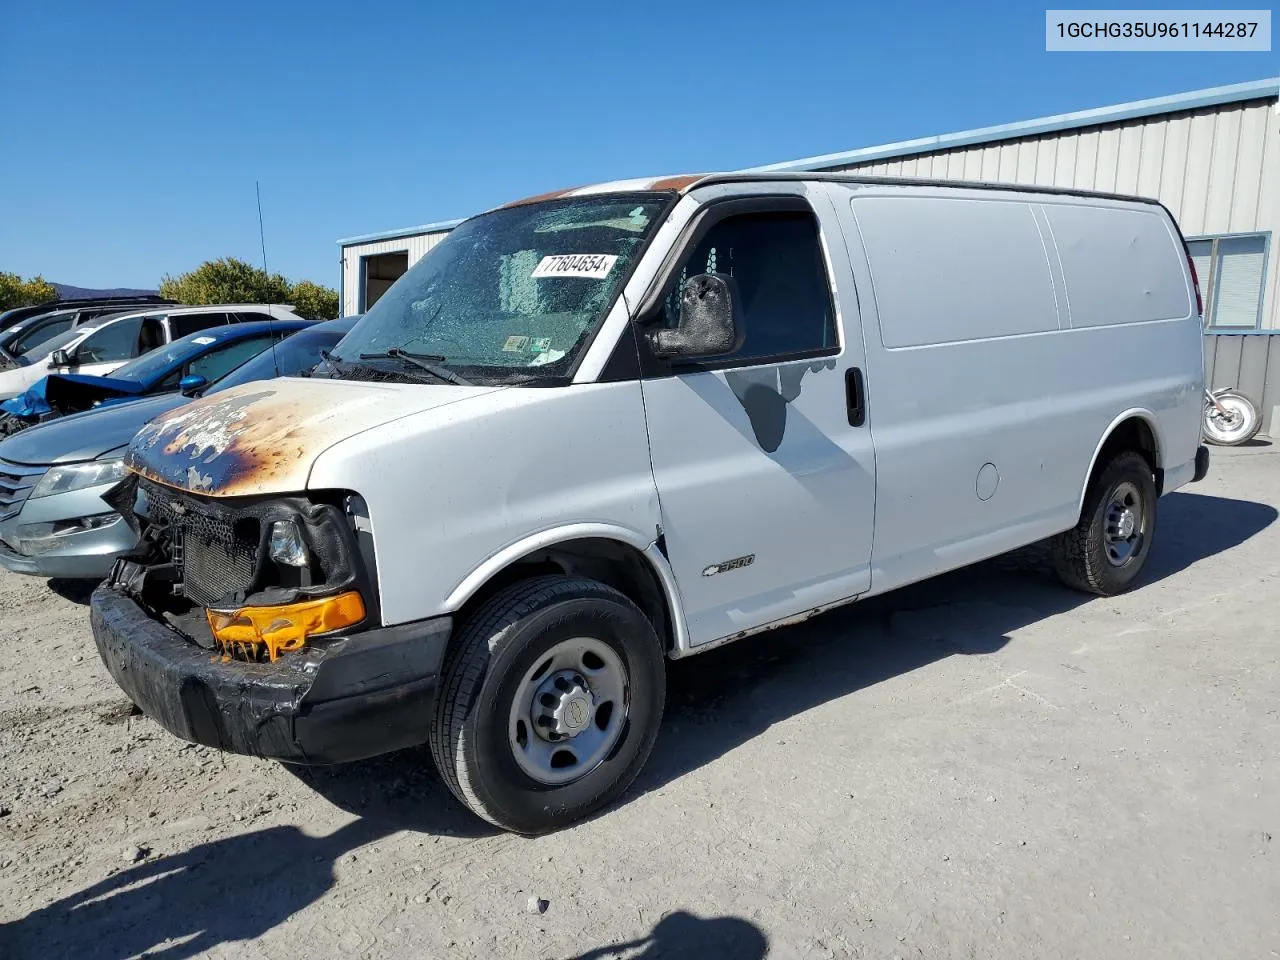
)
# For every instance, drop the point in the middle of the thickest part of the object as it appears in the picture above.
(286, 544)
(77, 476)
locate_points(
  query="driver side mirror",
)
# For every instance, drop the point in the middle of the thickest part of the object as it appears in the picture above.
(60, 358)
(192, 384)
(710, 320)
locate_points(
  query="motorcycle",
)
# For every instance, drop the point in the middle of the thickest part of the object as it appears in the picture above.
(1230, 418)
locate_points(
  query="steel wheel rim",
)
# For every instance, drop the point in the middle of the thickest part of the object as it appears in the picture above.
(569, 711)
(1123, 524)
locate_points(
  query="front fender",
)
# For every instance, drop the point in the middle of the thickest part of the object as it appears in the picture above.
(545, 539)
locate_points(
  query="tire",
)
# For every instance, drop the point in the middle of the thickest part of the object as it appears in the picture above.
(1240, 425)
(499, 655)
(1092, 556)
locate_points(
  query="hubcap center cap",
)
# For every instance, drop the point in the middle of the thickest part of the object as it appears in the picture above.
(563, 706)
(1125, 524)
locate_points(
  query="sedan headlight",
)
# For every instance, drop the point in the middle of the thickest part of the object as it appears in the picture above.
(77, 476)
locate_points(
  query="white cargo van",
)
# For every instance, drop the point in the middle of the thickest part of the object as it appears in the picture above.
(621, 423)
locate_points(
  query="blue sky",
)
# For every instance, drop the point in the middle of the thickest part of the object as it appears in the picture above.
(135, 131)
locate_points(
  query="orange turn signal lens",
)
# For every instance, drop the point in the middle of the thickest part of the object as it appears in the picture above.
(285, 628)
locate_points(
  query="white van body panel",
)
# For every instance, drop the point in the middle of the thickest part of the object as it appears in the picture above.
(984, 373)
(727, 445)
(450, 489)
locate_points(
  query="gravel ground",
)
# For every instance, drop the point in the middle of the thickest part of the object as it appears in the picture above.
(982, 766)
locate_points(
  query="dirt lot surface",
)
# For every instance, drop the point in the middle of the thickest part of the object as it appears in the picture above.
(983, 766)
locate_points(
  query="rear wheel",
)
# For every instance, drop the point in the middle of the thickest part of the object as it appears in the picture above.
(549, 704)
(1106, 550)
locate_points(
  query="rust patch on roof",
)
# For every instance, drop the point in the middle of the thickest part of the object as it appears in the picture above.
(538, 198)
(678, 183)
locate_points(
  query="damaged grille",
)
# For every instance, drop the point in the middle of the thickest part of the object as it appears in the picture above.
(215, 556)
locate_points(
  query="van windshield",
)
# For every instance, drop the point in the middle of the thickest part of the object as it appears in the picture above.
(509, 296)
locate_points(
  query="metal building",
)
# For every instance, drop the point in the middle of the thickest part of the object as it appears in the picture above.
(372, 262)
(1211, 156)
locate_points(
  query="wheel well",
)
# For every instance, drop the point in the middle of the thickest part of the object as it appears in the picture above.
(1132, 434)
(610, 562)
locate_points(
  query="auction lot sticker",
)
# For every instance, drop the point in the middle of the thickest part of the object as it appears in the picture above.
(596, 266)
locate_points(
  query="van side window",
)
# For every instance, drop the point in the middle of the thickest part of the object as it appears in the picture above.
(776, 260)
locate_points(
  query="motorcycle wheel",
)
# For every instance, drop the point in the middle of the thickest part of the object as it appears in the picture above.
(1238, 425)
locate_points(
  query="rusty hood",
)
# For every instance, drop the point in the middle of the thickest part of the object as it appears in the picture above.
(264, 437)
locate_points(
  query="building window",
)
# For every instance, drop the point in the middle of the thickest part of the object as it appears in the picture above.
(1231, 270)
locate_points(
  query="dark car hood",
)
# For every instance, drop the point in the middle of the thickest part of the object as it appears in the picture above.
(88, 435)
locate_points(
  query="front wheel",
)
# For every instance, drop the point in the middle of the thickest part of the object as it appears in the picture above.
(1236, 422)
(549, 705)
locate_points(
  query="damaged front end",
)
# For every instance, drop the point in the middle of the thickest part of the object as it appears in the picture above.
(253, 577)
(250, 624)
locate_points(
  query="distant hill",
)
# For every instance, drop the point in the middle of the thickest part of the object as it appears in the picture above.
(67, 292)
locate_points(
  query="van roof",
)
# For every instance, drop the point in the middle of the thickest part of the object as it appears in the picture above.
(683, 183)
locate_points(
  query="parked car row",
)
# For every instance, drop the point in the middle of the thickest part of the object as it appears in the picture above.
(99, 345)
(53, 521)
(23, 329)
(188, 364)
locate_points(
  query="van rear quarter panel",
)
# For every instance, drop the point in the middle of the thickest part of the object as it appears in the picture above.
(984, 371)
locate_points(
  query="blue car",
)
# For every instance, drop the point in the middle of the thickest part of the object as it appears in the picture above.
(187, 365)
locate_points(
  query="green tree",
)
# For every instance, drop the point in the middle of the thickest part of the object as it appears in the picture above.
(233, 281)
(225, 281)
(16, 292)
(314, 301)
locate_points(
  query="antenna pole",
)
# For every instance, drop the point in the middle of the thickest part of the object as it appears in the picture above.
(262, 237)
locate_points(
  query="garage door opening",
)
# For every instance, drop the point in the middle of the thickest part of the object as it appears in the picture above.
(380, 271)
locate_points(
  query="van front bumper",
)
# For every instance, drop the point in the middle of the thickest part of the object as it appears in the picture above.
(340, 699)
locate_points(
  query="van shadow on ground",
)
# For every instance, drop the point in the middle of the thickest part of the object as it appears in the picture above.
(239, 887)
(719, 700)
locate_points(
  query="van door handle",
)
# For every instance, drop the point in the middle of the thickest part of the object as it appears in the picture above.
(854, 397)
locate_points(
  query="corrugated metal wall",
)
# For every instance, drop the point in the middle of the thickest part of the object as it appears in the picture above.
(415, 246)
(1217, 169)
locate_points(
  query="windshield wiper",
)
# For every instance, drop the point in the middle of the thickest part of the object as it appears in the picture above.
(430, 362)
